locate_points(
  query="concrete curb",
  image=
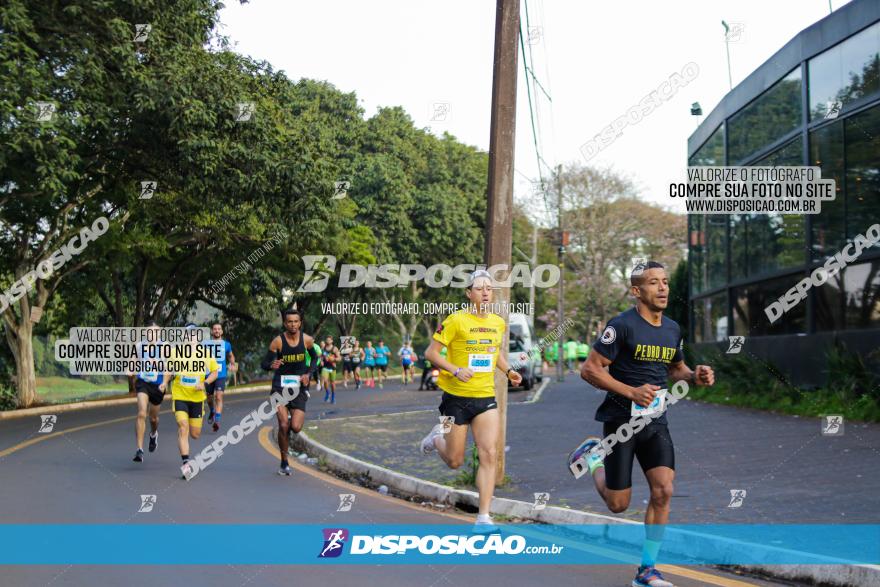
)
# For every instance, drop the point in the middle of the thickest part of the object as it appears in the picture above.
(681, 543)
(84, 405)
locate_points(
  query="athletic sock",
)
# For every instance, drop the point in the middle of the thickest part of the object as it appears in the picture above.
(593, 463)
(217, 417)
(484, 519)
(184, 458)
(653, 541)
(154, 434)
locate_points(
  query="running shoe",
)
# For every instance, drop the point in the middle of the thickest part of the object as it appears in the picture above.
(211, 416)
(184, 470)
(154, 441)
(650, 577)
(427, 444)
(139, 456)
(485, 525)
(215, 426)
(582, 459)
(284, 470)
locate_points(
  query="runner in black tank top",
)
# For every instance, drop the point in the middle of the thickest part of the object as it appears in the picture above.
(287, 357)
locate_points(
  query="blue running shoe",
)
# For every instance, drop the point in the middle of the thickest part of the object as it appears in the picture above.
(650, 577)
(584, 458)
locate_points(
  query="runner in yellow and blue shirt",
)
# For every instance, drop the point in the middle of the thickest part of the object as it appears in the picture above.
(473, 339)
(188, 396)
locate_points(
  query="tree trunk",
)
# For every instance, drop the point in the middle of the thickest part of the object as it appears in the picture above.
(20, 343)
(26, 377)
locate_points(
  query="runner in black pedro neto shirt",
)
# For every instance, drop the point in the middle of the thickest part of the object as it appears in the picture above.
(287, 357)
(641, 349)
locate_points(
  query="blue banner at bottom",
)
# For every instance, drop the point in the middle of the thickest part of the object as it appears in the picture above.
(529, 544)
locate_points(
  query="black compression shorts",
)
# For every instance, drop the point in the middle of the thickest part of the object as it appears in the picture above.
(193, 410)
(465, 409)
(652, 446)
(297, 403)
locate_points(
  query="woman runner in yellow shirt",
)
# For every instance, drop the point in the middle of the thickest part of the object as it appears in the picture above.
(473, 338)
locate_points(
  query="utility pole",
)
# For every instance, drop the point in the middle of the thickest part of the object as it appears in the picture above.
(534, 261)
(727, 47)
(499, 211)
(560, 292)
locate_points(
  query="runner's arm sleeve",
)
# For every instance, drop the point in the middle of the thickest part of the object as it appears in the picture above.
(266, 364)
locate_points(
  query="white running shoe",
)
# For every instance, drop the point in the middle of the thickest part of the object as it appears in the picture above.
(427, 445)
(485, 525)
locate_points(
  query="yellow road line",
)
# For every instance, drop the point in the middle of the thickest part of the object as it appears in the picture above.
(266, 443)
(43, 437)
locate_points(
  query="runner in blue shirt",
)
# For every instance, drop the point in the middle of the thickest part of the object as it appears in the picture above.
(407, 360)
(370, 363)
(215, 390)
(382, 354)
(149, 398)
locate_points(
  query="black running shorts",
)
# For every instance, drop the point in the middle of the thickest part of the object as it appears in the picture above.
(465, 409)
(652, 446)
(218, 384)
(193, 410)
(151, 389)
(299, 402)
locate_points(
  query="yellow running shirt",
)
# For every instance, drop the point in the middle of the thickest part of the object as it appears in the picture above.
(183, 386)
(472, 342)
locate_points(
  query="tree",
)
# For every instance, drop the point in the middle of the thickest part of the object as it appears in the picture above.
(74, 81)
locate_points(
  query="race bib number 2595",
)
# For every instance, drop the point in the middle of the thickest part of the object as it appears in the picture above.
(479, 363)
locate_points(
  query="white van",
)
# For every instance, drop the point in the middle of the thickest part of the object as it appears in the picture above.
(523, 352)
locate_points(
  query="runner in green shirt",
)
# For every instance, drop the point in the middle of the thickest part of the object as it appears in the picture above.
(583, 353)
(570, 354)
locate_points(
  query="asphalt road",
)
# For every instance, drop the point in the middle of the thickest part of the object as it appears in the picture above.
(82, 473)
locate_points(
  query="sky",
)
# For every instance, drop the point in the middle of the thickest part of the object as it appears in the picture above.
(593, 59)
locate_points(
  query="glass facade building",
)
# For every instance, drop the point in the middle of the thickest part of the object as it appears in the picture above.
(815, 102)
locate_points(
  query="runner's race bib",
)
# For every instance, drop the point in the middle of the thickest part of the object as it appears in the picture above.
(189, 380)
(290, 381)
(150, 377)
(655, 407)
(480, 363)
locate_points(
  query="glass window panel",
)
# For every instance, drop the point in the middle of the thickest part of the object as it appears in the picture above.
(773, 114)
(826, 151)
(738, 246)
(749, 317)
(712, 151)
(716, 254)
(775, 241)
(862, 287)
(862, 172)
(697, 263)
(845, 72)
(710, 318)
(828, 304)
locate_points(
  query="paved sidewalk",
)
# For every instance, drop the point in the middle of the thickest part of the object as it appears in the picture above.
(791, 473)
